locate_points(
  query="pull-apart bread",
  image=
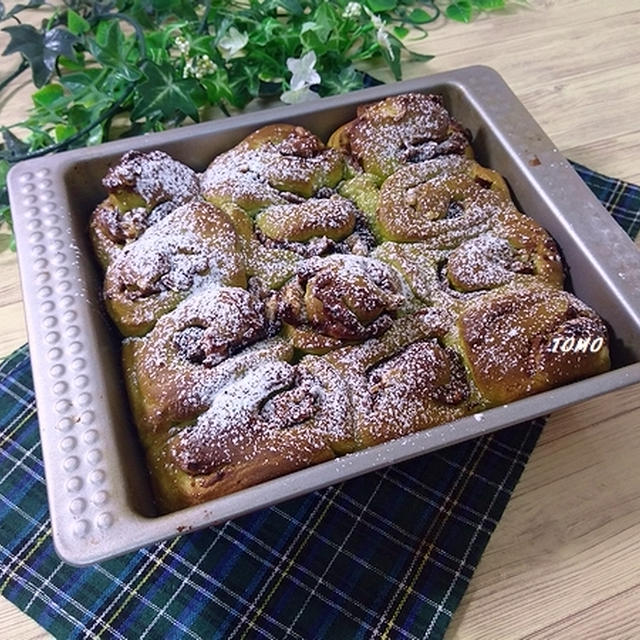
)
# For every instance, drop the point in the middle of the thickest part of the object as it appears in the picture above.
(299, 301)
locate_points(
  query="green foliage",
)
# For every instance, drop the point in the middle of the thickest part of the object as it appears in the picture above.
(158, 63)
(41, 49)
(160, 95)
(463, 10)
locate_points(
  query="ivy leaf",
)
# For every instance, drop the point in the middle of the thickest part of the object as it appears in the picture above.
(349, 79)
(40, 50)
(327, 18)
(420, 16)
(422, 57)
(266, 32)
(59, 41)
(48, 95)
(393, 57)
(110, 50)
(4, 169)
(378, 6)
(459, 11)
(77, 82)
(401, 32)
(78, 116)
(76, 23)
(63, 131)
(33, 4)
(13, 144)
(489, 5)
(292, 6)
(217, 89)
(161, 92)
(29, 42)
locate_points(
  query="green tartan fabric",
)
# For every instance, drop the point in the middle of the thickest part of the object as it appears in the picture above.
(388, 554)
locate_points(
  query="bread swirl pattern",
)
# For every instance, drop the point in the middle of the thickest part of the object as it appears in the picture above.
(309, 300)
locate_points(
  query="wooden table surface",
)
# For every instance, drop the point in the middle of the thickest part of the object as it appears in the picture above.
(564, 562)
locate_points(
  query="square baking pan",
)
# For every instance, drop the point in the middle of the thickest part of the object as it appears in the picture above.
(98, 491)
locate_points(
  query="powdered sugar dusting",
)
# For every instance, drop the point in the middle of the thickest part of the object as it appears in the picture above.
(192, 247)
(403, 129)
(277, 164)
(417, 203)
(484, 262)
(454, 312)
(333, 218)
(155, 176)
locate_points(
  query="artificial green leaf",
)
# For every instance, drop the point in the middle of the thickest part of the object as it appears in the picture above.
(78, 116)
(96, 135)
(292, 6)
(76, 23)
(40, 50)
(217, 89)
(32, 4)
(110, 50)
(38, 138)
(76, 82)
(4, 169)
(46, 96)
(400, 32)
(269, 66)
(203, 45)
(268, 31)
(326, 18)
(181, 9)
(311, 41)
(109, 35)
(73, 65)
(422, 57)
(489, 5)
(142, 12)
(29, 42)
(459, 11)
(393, 57)
(63, 131)
(59, 41)
(378, 6)
(13, 144)
(162, 92)
(5, 211)
(420, 16)
(348, 79)
(270, 89)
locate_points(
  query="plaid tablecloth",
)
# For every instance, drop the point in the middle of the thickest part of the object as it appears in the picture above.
(388, 554)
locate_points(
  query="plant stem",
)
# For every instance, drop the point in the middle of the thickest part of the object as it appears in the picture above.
(14, 74)
(61, 146)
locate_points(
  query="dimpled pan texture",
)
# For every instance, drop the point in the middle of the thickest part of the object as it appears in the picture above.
(98, 492)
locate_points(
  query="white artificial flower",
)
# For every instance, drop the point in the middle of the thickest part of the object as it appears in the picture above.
(303, 94)
(199, 67)
(382, 36)
(182, 45)
(232, 43)
(303, 73)
(352, 10)
(189, 68)
(377, 21)
(383, 40)
(206, 66)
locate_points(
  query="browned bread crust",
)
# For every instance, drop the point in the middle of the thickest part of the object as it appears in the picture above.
(308, 301)
(400, 130)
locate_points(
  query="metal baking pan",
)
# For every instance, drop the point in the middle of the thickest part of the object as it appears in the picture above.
(98, 491)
